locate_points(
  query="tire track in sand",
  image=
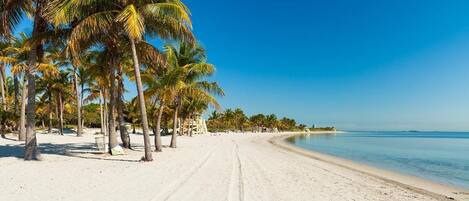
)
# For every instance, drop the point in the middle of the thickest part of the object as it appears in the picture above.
(236, 188)
(174, 186)
(259, 174)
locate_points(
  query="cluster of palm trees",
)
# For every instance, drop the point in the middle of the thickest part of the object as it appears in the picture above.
(237, 121)
(81, 48)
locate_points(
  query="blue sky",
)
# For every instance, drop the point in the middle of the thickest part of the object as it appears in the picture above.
(357, 65)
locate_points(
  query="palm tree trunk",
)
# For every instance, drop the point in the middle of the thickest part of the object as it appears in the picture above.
(50, 111)
(141, 98)
(79, 123)
(31, 151)
(61, 121)
(112, 103)
(120, 110)
(191, 121)
(175, 126)
(22, 125)
(183, 126)
(101, 110)
(2, 86)
(81, 101)
(158, 146)
(35, 55)
(105, 113)
(15, 85)
(5, 84)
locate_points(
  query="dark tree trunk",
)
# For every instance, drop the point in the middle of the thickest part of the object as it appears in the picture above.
(190, 127)
(112, 103)
(61, 119)
(50, 111)
(79, 123)
(120, 110)
(35, 55)
(158, 145)
(31, 152)
(141, 100)
(2, 85)
(175, 125)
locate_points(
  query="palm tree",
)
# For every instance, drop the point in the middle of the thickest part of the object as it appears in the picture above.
(187, 64)
(85, 79)
(12, 13)
(125, 138)
(58, 56)
(74, 71)
(258, 121)
(160, 88)
(16, 54)
(99, 64)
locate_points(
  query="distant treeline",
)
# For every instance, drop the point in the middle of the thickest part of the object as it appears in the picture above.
(237, 121)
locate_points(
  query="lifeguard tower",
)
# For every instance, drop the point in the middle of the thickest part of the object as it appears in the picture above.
(197, 125)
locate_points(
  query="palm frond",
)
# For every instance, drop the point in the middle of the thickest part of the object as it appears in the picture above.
(132, 22)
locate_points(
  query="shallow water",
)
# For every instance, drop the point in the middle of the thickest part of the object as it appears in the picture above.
(439, 156)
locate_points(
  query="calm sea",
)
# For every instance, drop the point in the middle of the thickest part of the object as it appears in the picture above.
(439, 156)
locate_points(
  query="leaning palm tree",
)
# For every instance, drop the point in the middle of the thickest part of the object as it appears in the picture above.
(166, 19)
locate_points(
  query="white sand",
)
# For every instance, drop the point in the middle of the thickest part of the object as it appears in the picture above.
(226, 167)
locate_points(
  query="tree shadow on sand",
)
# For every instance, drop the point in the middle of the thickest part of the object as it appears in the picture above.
(69, 150)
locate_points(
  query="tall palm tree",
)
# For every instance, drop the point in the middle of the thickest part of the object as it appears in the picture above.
(12, 12)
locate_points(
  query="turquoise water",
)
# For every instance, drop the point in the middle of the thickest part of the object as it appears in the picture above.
(439, 156)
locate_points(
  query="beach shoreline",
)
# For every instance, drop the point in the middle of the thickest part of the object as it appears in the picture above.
(237, 166)
(417, 184)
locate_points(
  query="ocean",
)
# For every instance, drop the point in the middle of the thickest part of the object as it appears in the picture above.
(442, 157)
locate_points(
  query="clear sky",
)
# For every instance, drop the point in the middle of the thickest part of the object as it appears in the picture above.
(356, 65)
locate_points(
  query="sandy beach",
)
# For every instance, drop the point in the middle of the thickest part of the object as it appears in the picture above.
(204, 167)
